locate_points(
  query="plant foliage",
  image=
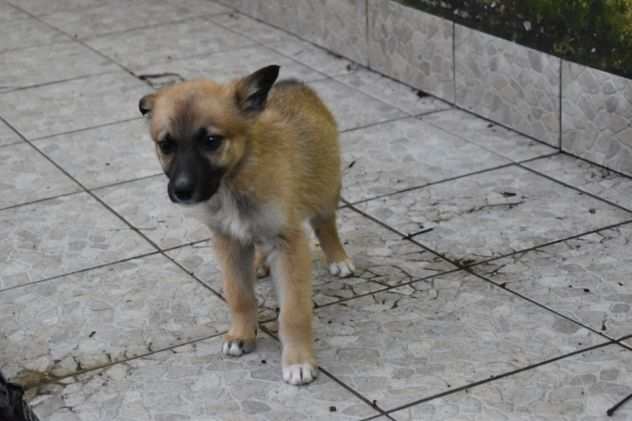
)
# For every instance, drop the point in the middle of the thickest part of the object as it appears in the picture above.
(597, 33)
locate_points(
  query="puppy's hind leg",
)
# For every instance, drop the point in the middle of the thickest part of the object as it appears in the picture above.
(261, 263)
(325, 229)
(237, 262)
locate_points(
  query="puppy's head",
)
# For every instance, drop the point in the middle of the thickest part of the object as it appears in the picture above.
(200, 129)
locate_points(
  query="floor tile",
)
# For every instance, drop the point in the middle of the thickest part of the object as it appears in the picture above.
(195, 382)
(351, 107)
(27, 176)
(105, 315)
(45, 7)
(406, 153)
(392, 92)
(8, 136)
(105, 155)
(253, 29)
(586, 279)
(50, 63)
(229, 65)
(146, 205)
(73, 105)
(493, 214)
(315, 57)
(59, 236)
(142, 47)
(381, 258)
(22, 33)
(577, 388)
(505, 142)
(415, 341)
(121, 15)
(588, 177)
(9, 12)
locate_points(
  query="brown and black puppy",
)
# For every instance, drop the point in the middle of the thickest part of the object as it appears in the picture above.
(255, 160)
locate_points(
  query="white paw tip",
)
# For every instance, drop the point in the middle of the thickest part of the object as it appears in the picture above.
(343, 269)
(298, 374)
(232, 348)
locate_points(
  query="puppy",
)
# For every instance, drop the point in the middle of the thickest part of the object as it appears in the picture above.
(257, 159)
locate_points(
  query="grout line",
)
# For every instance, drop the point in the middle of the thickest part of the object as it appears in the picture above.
(577, 189)
(422, 186)
(433, 183)
(268, 46)
(389, 287)
(354, 392)
(603, 167)
(44, 199)
(377, 123)
(545, 307)
(131, 180)
(460, 136)
(379, 417)
(81, 42)
(19, 142)
(340, 79)
(55, 82)
(334, 378)
(367, 31)
(499, 124)
(45, 44)
(536, 158)
(150, 26)
(559, 141)
(80, 191)
(85, 129)
(543, 245)
(431, 112)
(624, 345)
(56, 379)
(78, 271)
(501, 376)
(403, 236)
(454, 61)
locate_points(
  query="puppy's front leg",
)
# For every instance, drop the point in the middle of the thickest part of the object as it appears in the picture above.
(237, 262)
(292, 271)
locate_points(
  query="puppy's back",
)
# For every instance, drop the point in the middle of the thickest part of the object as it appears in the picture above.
(310, 129)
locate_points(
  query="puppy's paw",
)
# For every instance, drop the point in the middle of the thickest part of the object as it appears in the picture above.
(236, 347)
(263, 270)
(343, 269)
(299, 374)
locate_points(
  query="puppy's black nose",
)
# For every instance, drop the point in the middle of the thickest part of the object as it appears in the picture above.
(183, 189)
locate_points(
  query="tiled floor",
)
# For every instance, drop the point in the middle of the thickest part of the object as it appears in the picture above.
(494, 274)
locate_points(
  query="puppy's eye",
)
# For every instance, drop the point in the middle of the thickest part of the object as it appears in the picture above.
(213, 141)
(167, 146)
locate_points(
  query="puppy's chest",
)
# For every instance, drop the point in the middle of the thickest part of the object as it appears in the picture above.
(240, 217)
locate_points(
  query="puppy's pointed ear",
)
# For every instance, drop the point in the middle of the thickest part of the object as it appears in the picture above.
(146, 104)
(252, 91)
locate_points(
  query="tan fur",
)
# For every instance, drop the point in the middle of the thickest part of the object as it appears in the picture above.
(284, 161)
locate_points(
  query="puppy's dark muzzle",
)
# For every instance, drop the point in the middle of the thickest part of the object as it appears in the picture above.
(182, 190)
